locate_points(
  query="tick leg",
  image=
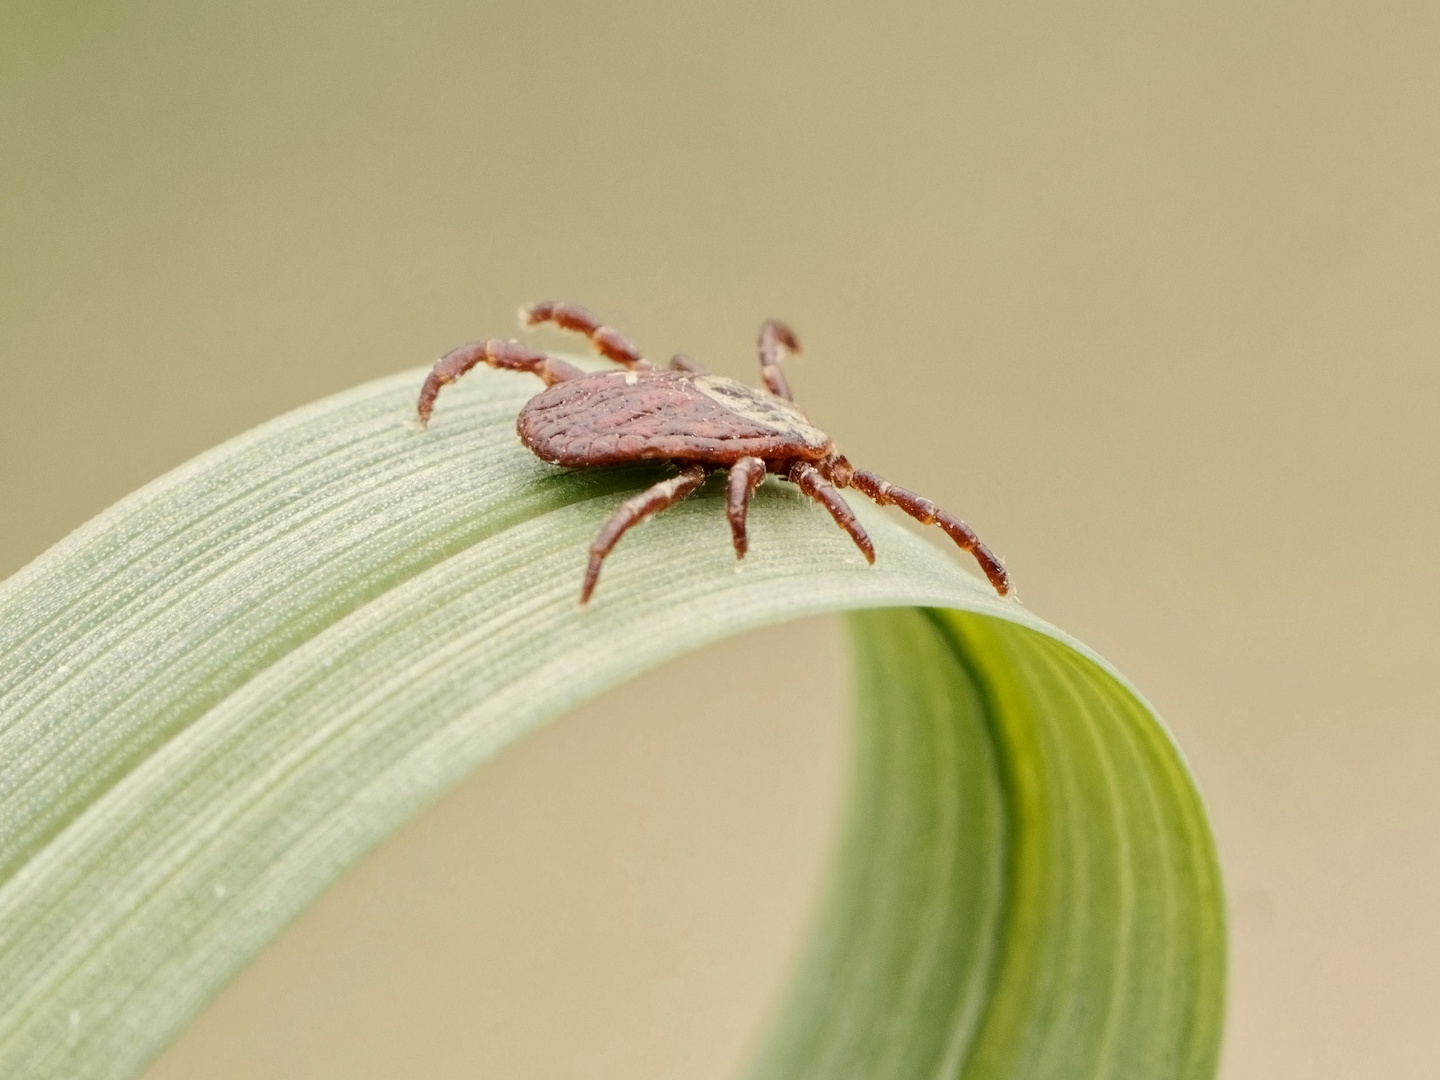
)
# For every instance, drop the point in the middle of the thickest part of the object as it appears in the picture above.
(776, 339)
(745, 477)
(509, 355)
(923, 510)
(632, 510)
(608, 342)
(822, 491)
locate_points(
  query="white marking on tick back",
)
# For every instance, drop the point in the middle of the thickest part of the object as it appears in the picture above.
(631, 378)
(766, 410)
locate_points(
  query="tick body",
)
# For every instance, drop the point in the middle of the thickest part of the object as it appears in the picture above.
(700, 423)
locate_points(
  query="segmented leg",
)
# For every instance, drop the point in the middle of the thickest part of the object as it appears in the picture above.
(650, 501)
(776, 339)
(745, 477)
(925, 511)
(822, 491)
(509, 355)
(606, 341)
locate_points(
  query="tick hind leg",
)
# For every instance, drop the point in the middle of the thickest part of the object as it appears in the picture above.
(605, 340)
(745, 477)
(776, 339)
(507, 355)
(810, 481)
(633, 510)
(925, 511)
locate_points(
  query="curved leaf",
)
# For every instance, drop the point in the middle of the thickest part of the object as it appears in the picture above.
(224, 691)
(1027, 887)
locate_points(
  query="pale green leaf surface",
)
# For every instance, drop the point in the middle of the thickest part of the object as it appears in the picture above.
(221, 693)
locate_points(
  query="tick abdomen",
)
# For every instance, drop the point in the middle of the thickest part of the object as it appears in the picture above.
(614, 417)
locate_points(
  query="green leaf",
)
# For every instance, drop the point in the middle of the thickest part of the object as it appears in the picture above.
(223, 692)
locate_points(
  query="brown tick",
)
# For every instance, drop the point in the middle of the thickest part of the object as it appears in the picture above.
(698, 422)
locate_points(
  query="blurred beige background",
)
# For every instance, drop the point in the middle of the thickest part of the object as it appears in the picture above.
(1150, 293)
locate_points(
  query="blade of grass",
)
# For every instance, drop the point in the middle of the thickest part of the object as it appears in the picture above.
(223, 692)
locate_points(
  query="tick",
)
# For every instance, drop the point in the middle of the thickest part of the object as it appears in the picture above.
(699, 423)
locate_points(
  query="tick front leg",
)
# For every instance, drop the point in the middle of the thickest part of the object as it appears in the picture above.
(925, 511)
(650, 501)
(509, 355)
(822, 491)
(745, 477)
(776, 339)
(605, 340)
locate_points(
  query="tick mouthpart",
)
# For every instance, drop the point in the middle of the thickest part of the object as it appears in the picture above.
(838, 470)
